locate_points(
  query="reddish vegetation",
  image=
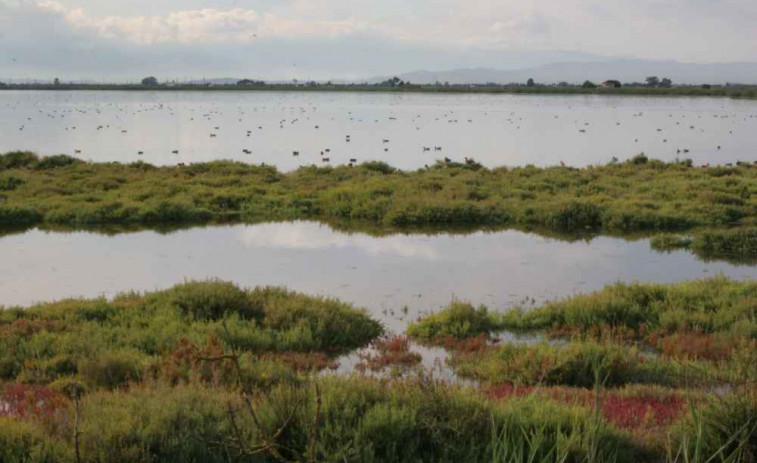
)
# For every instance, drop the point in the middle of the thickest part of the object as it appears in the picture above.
(466, 346)
(695, 346)
(390, 352)
(636, 412)
(23, 400)
(24, 327)
(187, 361)
(626, 411)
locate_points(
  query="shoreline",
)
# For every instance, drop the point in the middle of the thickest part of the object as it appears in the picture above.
(747, 92)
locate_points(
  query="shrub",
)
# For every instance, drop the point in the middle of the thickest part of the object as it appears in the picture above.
(24, 442)
(378, 166)
(169, 211)
(144, 424)
(459, 320)
(57, 161)
(213, 300)
(572, 365)
(10, 183)
(331, 325)
(575, 215)
(740, 244)
(17, 159)
(639, 159)
(18, 215)
(113, 369)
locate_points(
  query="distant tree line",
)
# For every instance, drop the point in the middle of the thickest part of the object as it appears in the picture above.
(250, 82)
(393, 82)
(652, 85)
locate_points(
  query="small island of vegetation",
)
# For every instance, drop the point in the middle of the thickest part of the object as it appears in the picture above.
(715, 205)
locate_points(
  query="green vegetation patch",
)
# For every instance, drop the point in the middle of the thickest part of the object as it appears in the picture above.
(352, 419)
(457, 321)
(738, 245)
(108, 343)
(640, 194)
(714, 305)
(576, 363)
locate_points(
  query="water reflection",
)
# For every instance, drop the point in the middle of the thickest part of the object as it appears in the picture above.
(312, 236)
(385, 274)
(173, 127)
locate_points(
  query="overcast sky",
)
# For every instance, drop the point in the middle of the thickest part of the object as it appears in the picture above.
(349, 39)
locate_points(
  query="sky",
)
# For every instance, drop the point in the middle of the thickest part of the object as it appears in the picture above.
(356, 39)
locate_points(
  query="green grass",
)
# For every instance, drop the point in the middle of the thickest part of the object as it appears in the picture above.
(111, 342)
(574, 364)
(721, 428)
(638, 195)
(359, 419)
(734, 245)
(206, 371)
(457, 321)
(368, 420)
(714, 305)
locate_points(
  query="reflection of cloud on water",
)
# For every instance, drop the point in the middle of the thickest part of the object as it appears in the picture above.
(308, 235)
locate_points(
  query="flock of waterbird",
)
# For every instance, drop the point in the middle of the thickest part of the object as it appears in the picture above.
(214, 118)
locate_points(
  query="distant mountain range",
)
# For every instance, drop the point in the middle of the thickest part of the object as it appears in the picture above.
(573, 72)
(627, 70)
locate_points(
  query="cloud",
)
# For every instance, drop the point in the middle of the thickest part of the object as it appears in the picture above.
(310, 236)
(204, 26)
(334, 39)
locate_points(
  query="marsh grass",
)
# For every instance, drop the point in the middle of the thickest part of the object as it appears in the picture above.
(638, 310)
(676, 363)
(360, 419)
(737, 245)
(165, 379)
(617, 197)
(110, 343)
(457, 321)
(572, 364)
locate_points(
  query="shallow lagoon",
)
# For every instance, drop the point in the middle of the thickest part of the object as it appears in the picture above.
(494, 129)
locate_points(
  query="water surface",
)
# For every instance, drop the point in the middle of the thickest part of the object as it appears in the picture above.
(387, 274)
(494, 129)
